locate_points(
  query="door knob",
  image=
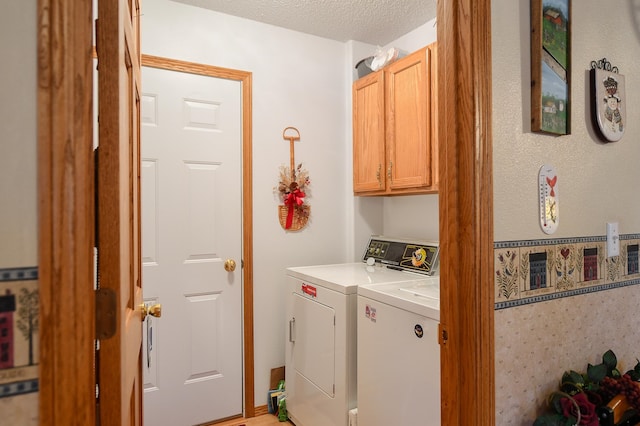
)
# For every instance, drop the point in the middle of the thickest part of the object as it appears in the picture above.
(229, 265)
(153, 310)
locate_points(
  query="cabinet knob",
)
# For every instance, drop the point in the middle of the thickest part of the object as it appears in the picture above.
(389, 175)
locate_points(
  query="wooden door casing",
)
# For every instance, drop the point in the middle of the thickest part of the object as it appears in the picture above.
(118, 212)
(245, 78)
(65, 213)
(466, 212)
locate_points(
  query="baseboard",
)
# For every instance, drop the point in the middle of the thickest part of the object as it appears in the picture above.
(261, 410)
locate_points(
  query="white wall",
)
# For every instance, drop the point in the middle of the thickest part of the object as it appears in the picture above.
(18, 174)
(597, 183)
(18, 214)
(414, 216)
(416, 39)
(298, 80)
(303, 81)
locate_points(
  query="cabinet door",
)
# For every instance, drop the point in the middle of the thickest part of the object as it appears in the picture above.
(368, 134)
(408, 112)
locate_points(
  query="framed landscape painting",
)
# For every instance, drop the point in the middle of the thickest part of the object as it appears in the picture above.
(550, 66)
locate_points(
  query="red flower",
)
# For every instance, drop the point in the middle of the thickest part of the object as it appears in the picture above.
(588, 416)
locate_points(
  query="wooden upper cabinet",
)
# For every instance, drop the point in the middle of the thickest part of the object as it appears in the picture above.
(369, 157)
(407, 116)
(394, 139)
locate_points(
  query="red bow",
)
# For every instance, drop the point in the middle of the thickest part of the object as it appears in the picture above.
(294, 198)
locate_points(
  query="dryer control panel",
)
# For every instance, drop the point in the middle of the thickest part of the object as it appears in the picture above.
(395, 253)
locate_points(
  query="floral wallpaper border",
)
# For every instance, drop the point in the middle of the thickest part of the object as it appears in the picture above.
(532, 271)
(19, 324)
(18, 274)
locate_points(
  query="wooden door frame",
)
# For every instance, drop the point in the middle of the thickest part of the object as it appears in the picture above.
(66, 232)
(245, 79)
(65, 207)
(466, 212)
(66, 211)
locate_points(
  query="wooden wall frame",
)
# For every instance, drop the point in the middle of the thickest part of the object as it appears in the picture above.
(551, 66)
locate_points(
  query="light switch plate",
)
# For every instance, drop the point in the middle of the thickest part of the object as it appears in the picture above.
(613, 239)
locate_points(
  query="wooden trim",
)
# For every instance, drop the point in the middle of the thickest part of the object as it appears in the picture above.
(536, 65)
(540, 56)
(466, 212)
(261, 410)
(245, 78)
(65, 211)
(118, 198)
(264, 418)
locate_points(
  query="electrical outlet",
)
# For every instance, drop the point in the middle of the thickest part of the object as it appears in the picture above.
(613, 239)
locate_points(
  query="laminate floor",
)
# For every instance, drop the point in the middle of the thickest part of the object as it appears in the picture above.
(263, 420)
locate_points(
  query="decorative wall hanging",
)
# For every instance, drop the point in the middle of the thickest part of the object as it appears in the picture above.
(550, 66)
(608, 104)
(293, 187)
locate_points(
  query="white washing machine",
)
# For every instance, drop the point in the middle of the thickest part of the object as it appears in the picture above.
(321, 351)
(398, 353)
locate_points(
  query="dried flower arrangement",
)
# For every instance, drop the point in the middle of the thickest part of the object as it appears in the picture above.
(293, 189)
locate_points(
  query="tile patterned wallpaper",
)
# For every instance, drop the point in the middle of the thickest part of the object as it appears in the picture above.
(534, 271)
(19, 351)
(559, 305)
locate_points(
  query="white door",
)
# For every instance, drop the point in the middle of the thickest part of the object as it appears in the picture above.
(191, 224)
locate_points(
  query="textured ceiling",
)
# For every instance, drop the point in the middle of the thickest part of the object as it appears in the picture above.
(376, 22)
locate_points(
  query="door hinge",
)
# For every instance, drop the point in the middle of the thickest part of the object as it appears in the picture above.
(105, 313)
(443, 335)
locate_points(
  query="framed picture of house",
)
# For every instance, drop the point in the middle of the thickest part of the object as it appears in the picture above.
(550, 66)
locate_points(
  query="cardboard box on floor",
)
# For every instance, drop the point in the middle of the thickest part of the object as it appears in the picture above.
(277, 374)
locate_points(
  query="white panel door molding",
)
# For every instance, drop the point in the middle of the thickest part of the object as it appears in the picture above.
(192, 223)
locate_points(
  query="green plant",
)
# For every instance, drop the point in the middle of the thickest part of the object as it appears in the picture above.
(581, 396)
